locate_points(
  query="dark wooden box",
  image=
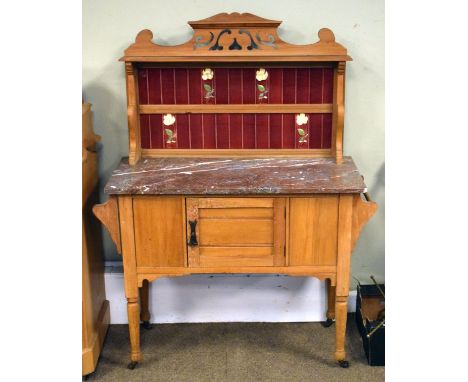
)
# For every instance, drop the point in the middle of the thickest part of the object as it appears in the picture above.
(370, 305)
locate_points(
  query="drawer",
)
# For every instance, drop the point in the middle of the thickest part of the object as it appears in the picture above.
(236, 232)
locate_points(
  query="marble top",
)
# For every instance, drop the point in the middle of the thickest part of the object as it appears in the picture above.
(236, 176)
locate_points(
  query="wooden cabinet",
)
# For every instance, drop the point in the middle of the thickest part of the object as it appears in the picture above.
(235, 163)
(95, 307)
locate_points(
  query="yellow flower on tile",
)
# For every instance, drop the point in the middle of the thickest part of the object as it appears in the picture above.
(168, 119)
(262, 74)
(207, 74)
(301, 119)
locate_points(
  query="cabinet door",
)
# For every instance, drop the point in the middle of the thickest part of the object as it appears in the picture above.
(159, 231)
(236, 231)
(313, 230)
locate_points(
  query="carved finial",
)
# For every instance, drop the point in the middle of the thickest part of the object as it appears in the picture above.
(144, 36)
(326, 35)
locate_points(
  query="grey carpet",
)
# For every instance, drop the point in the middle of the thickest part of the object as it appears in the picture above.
(234, 352)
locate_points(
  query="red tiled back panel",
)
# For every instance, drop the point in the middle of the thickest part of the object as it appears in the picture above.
(236, 131)
(235, 86)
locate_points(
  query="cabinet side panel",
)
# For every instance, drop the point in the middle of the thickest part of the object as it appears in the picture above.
(159, 235)
(313, 230)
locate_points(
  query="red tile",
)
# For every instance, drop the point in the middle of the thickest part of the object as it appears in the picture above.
(302, 95)
(154, 86)
(248, 131)
(222, 131)
(168, 86)
(276, 131)
(316, 76)
(327, 131)
(156, 131)
(315, 131)
(221, 85)
(289, 85)
(235, 130)
(181, 86)
(248, 86)
(195, 86)
(183, 136)
(235, 86)
(209, 131)
(328, 85)
(289, 131)
(275, 91)
(143, 86)
(196, 135)
(261, 131)
(145, 131)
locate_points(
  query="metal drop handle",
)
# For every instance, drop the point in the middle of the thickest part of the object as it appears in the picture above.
(193, 233)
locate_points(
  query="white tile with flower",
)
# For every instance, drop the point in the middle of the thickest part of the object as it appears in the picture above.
(261, 76)
(170, 133)
(303, 131)
(207, 77)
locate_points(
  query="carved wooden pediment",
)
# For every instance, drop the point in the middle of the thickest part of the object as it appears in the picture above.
(231, 36)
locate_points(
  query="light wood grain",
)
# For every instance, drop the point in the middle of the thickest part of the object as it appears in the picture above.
(341, 315)
(108, 214)
(342, 272)
(130, 275)
(245, 153)
(159, 232)
(326, 49)
(220, 108)
(134, 134)
(237, 231)
(362, 212)
(95, 307)
(313, 227)
(338, 111)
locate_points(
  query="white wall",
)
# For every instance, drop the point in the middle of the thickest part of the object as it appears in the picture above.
(234, 298)
(110, 26)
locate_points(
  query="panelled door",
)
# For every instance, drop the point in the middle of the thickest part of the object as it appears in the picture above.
(223, 232)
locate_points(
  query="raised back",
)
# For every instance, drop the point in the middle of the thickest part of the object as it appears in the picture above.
(235, 89)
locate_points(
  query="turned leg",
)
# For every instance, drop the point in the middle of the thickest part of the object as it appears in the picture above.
(341, 307)
(144, 305)
(133, 309)
(331, 291)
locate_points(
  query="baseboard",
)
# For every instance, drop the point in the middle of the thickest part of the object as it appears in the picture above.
(225, 298)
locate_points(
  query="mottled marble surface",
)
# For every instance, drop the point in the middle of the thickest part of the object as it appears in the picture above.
(236, 176)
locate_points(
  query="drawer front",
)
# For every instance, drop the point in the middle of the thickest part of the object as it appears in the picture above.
(236, 231)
